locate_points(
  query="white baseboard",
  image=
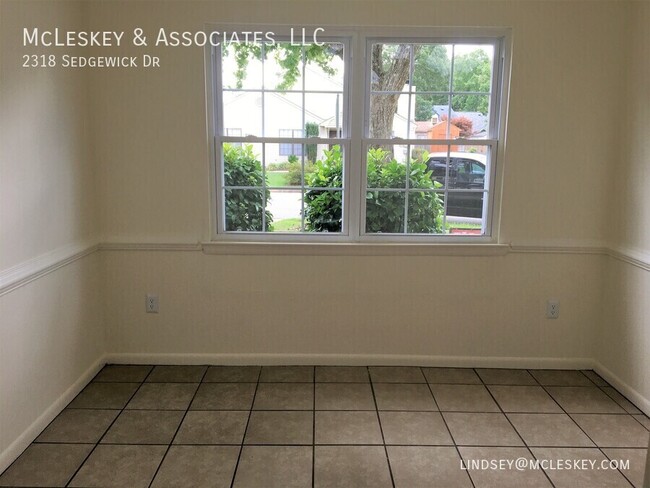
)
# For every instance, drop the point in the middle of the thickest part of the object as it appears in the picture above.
(20, 444)
(350, 360)
(641, 402)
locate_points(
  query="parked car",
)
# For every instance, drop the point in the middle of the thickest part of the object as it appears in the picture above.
(466, 172)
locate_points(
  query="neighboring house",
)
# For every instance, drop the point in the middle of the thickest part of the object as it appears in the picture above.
(479, 121)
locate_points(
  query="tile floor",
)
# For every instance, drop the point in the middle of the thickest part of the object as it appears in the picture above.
(348, 427)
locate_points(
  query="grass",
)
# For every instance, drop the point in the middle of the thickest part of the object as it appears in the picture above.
(285, 225)
(277, 178)
(462, 225)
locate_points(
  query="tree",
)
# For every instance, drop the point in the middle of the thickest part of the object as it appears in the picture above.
(431, 73)
(472, 72)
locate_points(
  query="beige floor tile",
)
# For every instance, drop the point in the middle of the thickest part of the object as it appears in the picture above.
(505, 474)
(342, 374)
(177, 374)
(232, 374)
(224, 396)
(347, 428)
(482, 429)
(78, 426)
(549, 430)
(506, 377)
(197, 467)
(414, 428)
(528, 399)
(289, 374)
(627, 405)
(119, 467)
(452, 376)
(578, 478)
(280, 428)
(643, 420)
(404, 397)
(144, 427)
(396, 374)
(212, 427)
(613, 430)
(635, 460)
(104, 395)
(464, 398)
(584, 400)
(123, 373)
(46, 465)
(344, 396)
(427, 467)
(561, 377)
(351, 466)
(274, 467)
(284, 396)
(594, 377)
(163, 396)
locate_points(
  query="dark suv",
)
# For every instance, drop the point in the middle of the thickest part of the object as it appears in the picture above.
(466, 171)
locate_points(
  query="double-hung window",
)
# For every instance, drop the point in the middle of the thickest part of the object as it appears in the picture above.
(399, 142)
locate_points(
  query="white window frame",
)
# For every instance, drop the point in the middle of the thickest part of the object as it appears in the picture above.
(356, 96)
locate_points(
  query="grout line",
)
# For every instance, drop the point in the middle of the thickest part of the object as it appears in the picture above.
(527, 447)
(112, 423)
(169, 446)
(444, 421)
(381, 429)
(544, 387)
(250, 412)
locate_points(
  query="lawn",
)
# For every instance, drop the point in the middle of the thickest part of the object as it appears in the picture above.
(277, 178)
(287, 225)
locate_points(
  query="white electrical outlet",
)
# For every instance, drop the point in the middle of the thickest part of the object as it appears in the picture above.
(552, 309)
(151, 303)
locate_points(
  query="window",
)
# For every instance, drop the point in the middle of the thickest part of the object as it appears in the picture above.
(408, 155)
(291, 149)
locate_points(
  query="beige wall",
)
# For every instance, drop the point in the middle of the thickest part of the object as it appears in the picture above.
(150, 140)
(51, 331)
(624, 338)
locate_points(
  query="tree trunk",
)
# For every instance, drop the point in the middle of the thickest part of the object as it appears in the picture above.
(391, 76)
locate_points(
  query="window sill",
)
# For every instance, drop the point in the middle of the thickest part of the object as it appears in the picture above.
(352, 249)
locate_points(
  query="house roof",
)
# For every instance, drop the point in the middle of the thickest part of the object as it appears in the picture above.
(480, 121)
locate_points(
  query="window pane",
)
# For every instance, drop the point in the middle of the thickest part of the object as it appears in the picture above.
(468, 167)
(282, 111)
(285, 206)
(425, 212)
(248, 76)
(243, 111)
(323, 210)
(327, 172)
(424, 170)
(473, 67)
(389, 117)
(283, 163)
(469, 116)
(242, 165)
(385, 211)
(432, 68)
(283, 67)
(324, 114)
(390, 68)
(386, 167)
(245, 210)
(468, 205)
(431, 116)
(325, 69)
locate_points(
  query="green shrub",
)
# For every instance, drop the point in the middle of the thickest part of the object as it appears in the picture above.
(384, 209)
(244, 207)
(295, 172)
(323, 208)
